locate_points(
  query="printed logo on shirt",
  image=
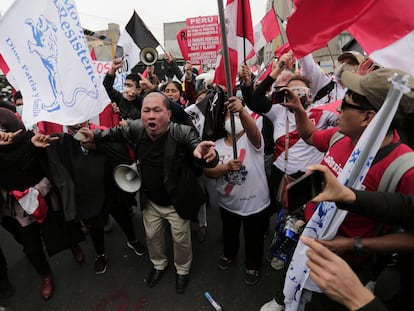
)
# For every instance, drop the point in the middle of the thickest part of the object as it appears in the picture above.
(236, 177)
(330, 162)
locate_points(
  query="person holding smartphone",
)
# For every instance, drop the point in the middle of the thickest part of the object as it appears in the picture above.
(330, 272)
(365, 96)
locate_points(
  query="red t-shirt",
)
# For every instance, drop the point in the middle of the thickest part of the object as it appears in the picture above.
(335, 159)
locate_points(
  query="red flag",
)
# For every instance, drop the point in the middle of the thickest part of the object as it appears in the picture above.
(315, 22)
(6, 71)
(93, 55)
(266, 72)
(388, 40)
(48, 128)
(282, 50)
(181, 37)
(265, 31)
(108, 118)
(239, 36)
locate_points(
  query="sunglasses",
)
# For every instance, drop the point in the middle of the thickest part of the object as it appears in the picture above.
(345, 106)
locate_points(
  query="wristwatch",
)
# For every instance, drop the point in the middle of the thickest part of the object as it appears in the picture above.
(359, 247)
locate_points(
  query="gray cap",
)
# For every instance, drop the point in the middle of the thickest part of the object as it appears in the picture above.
(375, 86)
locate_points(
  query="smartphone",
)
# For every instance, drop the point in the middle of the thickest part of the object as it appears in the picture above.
(119, 51)
(303, 190)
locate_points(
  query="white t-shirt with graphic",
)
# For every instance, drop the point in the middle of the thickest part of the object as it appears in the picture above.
(243, 192)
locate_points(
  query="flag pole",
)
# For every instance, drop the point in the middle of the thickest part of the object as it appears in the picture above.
(244, 34)
(226, 62)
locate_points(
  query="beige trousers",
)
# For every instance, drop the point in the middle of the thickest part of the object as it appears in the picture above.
(154, 217)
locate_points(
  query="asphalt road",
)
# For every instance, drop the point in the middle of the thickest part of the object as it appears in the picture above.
(122, 287)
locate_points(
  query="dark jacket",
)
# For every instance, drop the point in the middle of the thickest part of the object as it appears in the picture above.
(180, 179)
(127, 109)
(89, 175)
(374, 305)
(387, 207)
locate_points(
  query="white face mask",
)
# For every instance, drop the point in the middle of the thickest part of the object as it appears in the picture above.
(237, 125)
(19, 109)
(239, 94)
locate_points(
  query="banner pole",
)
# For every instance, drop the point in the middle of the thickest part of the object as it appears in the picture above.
(226, 61)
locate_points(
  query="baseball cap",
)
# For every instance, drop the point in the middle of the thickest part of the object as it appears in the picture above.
(357, 57)
(375, 86)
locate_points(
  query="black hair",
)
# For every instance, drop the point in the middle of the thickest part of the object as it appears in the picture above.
(18, 95)
(361, 100)
(177, 85)
(9, 121)
(133, 77)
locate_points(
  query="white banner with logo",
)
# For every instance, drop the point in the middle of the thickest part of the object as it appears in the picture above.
(44, 46)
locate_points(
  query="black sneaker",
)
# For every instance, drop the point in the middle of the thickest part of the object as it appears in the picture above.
(181, 282)
(251, 277)
(224, 263)
(137, 247)
(100, 264)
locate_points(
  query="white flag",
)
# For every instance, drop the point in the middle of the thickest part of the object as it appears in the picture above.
(44, 46)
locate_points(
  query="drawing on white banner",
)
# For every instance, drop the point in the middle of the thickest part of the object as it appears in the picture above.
(46, 47)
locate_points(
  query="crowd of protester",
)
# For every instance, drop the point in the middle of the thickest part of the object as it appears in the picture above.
(198, 148)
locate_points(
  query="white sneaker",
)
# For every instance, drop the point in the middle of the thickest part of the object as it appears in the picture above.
(277, 264)
(272, 306)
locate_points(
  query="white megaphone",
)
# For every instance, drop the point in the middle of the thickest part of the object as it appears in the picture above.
(128, 177)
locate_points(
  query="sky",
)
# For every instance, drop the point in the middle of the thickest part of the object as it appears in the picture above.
(96, 14)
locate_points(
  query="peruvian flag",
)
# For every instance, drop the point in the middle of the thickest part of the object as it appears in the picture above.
(6, 71)
(32, 202)
(265, 31)
(388, 40)
(315, 22)
(240, 38)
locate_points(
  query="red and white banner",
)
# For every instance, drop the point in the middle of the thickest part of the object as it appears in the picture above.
(265, 31)
(32, 202)
(388, 40)
(203, 39)
(240, 39)
(315, 22)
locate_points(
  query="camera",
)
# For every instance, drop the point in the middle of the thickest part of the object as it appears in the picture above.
(280, 96)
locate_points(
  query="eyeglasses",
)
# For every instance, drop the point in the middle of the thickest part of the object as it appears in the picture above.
(345, 106)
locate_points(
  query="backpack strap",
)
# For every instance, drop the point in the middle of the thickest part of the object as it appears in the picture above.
(392, 175)
(335, 137)
(324, 91)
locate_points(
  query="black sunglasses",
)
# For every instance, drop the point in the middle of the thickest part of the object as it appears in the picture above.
(345, 106)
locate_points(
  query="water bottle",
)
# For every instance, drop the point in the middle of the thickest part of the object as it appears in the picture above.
(286, 242)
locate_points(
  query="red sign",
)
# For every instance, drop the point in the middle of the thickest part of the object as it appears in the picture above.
(203, 39)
